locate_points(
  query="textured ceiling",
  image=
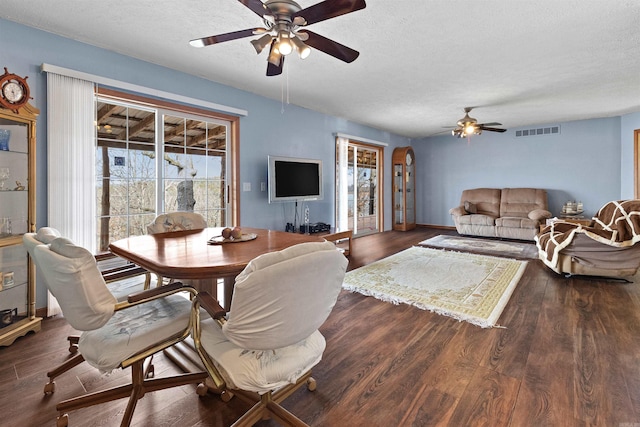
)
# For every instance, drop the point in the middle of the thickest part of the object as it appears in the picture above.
(421, 61)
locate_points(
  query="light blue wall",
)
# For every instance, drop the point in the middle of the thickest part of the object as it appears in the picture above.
(588, 161)
(266, 130)
(629, 123)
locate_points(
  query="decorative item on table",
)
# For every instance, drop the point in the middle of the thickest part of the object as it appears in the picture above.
(231, 235)
(5, 135)
(19, 186)
(8, 316)
(4, 175)
(572, 208)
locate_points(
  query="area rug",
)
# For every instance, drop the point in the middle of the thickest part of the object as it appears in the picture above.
(483, 246)
(469, 287)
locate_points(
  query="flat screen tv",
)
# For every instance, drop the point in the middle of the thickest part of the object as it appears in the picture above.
(292, 179)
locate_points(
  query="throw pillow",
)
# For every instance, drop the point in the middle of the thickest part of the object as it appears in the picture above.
(470, 207)
(539, 214)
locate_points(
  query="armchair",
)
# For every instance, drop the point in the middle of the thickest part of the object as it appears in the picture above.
(608, 247)
(263, 349)
(115, 334)
(122, 278)
(177, 221)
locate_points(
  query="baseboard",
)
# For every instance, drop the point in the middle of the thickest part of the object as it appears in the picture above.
(441, 227)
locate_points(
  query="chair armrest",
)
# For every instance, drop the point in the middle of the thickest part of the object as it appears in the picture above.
(211, 305)
(123, 269)
(159, 292)
(123, 272)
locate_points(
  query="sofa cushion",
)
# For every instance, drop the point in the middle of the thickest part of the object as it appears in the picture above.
(518, 202)
(516, 222)
(476, 219)
(470, 207)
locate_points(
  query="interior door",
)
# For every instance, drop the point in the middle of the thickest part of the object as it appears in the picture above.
(360, 197)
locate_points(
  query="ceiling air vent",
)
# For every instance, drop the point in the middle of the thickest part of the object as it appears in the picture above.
(551, 130)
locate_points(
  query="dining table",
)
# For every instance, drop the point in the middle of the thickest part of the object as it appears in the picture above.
(202, 257)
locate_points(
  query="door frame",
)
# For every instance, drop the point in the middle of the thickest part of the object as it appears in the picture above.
(636, 163)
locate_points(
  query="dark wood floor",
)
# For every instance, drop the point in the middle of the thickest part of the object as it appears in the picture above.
(569, 355)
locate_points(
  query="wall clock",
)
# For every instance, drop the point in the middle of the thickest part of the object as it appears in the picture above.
(14, 91)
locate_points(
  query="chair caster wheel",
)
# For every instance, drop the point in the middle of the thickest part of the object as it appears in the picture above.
(151, 372)
(62, 421)
(202, 389)
(49, 388)
(311, 384)
(73, 349)
(226, 396)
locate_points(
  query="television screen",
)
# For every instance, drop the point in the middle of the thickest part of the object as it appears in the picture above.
(293, 179)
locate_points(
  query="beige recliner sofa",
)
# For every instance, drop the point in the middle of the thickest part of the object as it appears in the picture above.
(510, 213)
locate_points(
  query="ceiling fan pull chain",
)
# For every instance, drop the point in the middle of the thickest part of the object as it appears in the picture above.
(282, 96)
(287, 76)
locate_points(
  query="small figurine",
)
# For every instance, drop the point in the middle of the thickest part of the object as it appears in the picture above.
(19, 187)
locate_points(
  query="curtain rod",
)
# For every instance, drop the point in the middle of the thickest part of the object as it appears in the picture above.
(357, 138)
(48, 68)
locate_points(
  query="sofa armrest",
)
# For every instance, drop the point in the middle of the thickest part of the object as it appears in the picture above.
(458, 211)
(539, 214)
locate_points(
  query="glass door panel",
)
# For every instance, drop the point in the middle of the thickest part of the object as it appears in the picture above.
(362, 196)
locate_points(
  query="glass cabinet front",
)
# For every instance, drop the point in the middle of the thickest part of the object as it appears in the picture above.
(404, 182)
(17, 216)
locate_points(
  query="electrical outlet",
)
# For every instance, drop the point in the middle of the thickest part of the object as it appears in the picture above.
(246, 186)
(263, 186)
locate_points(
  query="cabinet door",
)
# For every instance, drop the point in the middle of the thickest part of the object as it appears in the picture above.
(17, 216)
(14, 174)
(410, 195)
(398, 194)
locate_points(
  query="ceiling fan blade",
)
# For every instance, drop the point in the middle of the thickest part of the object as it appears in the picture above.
(490, 124)
(328, 9)
(331, 47)
(490, 129)
(256, 6)
(206, 41)
(273, 70)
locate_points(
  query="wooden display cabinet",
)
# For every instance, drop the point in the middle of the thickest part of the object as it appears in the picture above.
(17, 216)
(404, 189)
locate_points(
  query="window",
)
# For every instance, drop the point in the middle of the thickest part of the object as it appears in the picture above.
(152, 160)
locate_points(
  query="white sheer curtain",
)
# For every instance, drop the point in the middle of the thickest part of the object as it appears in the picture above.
(71, 161)
(342, 211)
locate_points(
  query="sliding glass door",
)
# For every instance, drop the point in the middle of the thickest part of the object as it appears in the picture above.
(151, 161)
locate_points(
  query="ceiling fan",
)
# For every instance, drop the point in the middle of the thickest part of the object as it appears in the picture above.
(284, 30)
(468, 126)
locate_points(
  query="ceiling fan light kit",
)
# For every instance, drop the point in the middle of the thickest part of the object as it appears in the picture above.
(468, 126)
(283, 19)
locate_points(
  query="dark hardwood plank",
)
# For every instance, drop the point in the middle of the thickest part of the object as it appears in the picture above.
(568, 355)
